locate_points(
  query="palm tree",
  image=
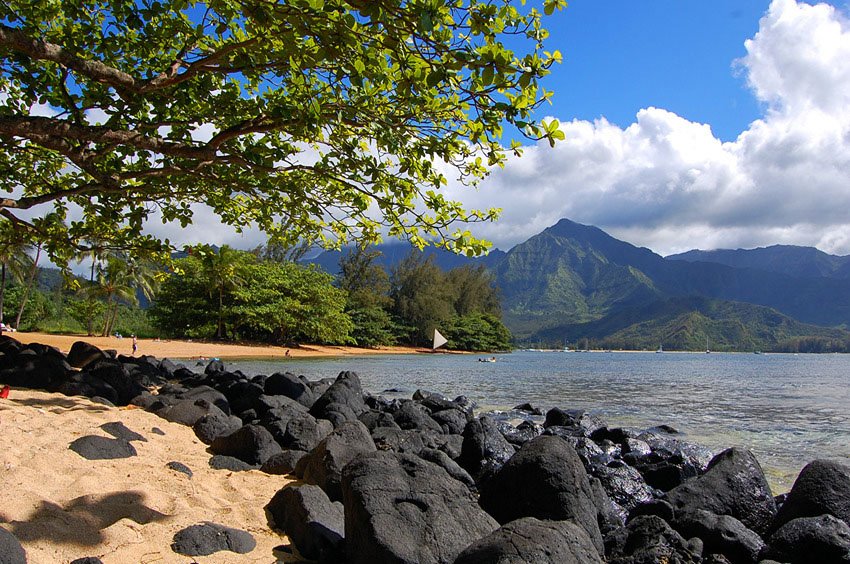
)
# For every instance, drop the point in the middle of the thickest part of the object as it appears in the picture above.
(28, 287)
(114, 283)
(223, 270)
(14, 258)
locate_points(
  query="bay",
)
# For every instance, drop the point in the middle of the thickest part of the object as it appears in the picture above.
(788, 409)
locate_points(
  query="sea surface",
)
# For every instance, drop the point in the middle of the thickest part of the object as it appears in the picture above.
(788, 409)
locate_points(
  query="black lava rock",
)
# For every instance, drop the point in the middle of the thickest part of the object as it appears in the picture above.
(823, 487)
(720, 534)
(546, 480)
(314, 523)
(208, 538)
(485, 449)
(734, 484)
(811, 539)
(323, 465)
(400, 508)
(649, 539)
(11, 551)
(93, 447)
(252, 444)
(531, 540)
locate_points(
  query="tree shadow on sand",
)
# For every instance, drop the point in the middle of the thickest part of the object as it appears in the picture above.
(83, 519)
(65, 402)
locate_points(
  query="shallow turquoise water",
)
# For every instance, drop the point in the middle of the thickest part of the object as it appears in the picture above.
(788, 409)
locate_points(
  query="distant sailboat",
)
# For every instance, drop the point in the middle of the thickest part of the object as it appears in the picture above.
(439, 340)
(660, 349)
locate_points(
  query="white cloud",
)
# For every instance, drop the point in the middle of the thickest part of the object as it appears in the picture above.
(670, 184)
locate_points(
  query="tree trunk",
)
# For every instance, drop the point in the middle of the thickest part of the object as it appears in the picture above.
(28, 287)
(2, 289)
(106, 317)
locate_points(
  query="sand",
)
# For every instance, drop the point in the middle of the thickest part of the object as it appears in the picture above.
(191, 349)
(62, 506)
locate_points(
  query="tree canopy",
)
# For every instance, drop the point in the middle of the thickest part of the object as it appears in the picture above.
(317, 120)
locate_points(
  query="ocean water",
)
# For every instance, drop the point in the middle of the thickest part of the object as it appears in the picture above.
(788, 409)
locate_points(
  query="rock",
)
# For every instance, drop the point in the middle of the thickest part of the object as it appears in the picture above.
(113, 373)
(531, 540)
(179, 467)
(484, 449)
(400, 508)
(208, 538)
(451, 420)
(823, 487)
(87, 560)
(314, 524)
(528, 408)
(412, 416)
(214, 425)
(323, 465)
(375, 419)
(734, 484)
(84, 384)
(83, 353)
(28, 370)
(811, 539)
(252, 444)
(93, 447)
(720, 534)
(623, 484)
(573, 418)
(453, 469)
(346, 391)
(189, 411)
(215, 366)
(291, 386)
(221, 462)
(649, 539)
(305, 432)
(11, 551)
(242, 396)
(211, 395)
(546, 480)
(609, 515)
(283, 462)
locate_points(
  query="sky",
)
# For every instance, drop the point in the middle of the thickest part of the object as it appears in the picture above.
(721, 124)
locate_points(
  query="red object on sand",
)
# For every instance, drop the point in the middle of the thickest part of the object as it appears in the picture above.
(4, 393)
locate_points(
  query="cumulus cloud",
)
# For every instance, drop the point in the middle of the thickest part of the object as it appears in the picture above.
(669, 184)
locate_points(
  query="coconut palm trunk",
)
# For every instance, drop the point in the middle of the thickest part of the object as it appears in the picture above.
(28, 288)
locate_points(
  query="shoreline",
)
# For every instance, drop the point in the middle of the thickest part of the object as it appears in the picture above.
(178, 349)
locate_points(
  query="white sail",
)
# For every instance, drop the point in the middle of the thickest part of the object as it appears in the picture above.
(439, 340)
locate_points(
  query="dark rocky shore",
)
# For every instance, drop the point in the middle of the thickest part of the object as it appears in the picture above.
(427, 480)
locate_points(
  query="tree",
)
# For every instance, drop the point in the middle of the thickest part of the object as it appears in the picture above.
(14, 258)
(338, 118)
(473, 290)
(114, 283)
(367, 286)
(284, 302)
(421, 299)
(223, 270)
(28, 288)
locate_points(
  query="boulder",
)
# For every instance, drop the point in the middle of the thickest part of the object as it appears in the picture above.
(580, 418)
(531, 540)
(291, 386)
(314, 523)
(210, 394)
(649, 539)
(214, 425)
(29, 370)
(720, 534)
(345, 392)
(116, 375)
(283, 462)
(528, 408)
(305, 432)
(412, 416)
(623, 484)
(83, 353)
(451, 420)
(811, 539)
(546, 480)
(323, 465)
(208, 538)
(400, 508)
(374, 419)
(94, 447)
(453, 469)
(823, 487)
(484, 449)
(222, 462)
(11, 551)
(251, 444)
(734, 484)
(189, 411)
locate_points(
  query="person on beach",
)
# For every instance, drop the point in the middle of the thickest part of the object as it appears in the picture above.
(287, 353)
(135, 345)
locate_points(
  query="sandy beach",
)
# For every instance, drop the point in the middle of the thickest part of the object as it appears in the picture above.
(62, 506)
(191, 349)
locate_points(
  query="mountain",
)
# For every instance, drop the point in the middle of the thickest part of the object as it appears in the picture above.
(801, 262)
(691, 323)
(575, 274)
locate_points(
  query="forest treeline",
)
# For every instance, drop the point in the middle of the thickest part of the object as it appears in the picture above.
(261, 296)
